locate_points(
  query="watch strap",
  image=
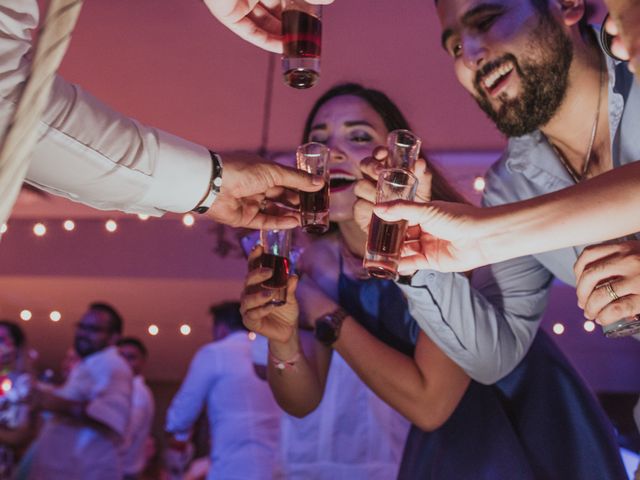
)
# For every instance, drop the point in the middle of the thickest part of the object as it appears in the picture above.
(327, 327)
(215, 183)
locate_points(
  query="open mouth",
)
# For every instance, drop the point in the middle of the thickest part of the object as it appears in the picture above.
(340, 180)
(494, 81)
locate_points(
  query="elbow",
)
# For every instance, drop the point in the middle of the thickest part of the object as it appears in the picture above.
(296, 410)
(432, 420)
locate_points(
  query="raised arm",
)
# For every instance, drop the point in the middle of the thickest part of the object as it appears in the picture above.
(459, 237)
(297, 366)
(89, 153)
(425, 388)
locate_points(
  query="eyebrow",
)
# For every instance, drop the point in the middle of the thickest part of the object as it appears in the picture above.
(352, 123)
(467, 19)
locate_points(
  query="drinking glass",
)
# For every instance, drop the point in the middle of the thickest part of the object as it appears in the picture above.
(404, 149)
(276, 245)
(313, 158)
(301, 43)
(385, 238)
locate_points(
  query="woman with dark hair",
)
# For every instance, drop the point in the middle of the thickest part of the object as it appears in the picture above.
(539, 422)
(16, 427)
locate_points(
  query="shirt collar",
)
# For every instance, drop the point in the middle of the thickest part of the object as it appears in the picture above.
(532, 153)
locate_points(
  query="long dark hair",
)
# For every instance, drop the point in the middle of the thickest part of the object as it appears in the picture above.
(393, 119)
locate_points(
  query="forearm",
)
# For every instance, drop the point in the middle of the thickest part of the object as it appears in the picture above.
(61, 406)
(426, 399)
(86, 151)
(602, 208)
(297, 388)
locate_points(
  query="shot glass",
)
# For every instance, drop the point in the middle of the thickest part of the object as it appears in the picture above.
(301, 42)
(313, 158)
(276, 245)
(404, 149)
(622, 328)
(385, 238)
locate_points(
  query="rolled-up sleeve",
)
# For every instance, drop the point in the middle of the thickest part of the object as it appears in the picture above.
(486, 326)
(89, 153)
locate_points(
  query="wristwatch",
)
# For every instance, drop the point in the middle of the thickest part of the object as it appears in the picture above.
(214, 185)
(327, 328)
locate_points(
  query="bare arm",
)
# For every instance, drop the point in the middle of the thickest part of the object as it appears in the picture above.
(298, 387)
(459, 237)
(425, 389)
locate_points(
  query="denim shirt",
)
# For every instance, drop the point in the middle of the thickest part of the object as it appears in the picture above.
(488, 324)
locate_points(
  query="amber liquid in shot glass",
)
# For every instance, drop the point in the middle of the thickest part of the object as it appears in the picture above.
(276, 245)
(385, 239)
(302, 40)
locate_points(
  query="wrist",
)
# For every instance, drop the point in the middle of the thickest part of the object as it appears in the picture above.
(214, 186)
(284, 350)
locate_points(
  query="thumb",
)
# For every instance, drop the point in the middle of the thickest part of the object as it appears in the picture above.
(296, 179)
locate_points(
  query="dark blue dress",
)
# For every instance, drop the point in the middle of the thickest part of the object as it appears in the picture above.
(540, 422)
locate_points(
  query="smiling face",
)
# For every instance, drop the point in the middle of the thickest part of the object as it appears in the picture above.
(513, 59)
(351, 128)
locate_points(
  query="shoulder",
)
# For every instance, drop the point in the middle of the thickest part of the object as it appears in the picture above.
(107, 360)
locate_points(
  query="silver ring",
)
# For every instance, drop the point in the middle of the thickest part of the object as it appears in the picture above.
(612, 293)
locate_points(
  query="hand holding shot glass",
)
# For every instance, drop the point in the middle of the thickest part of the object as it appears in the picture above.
(385, 239)
(313, 158)
(302, 40)
(276, 245)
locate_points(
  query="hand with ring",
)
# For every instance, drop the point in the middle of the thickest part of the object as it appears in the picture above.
(608, 281)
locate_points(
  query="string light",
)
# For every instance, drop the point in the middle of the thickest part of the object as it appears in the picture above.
(188, 220)
(478, 184)
(25, 315)
(6, 385)
(589, 326)
(3, 228)
(69, 225)
(39, 229)
(153, 330)
(558, 328)
(252, 336)
(185, 329)
(55, 316)
(143, 216)
(111, 226)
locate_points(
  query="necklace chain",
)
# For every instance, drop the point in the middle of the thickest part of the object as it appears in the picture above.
(587, 161)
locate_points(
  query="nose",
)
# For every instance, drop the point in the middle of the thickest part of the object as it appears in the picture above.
(336, 155)
(474, 52)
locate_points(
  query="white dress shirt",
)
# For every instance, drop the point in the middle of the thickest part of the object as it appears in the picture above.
(244, 419)
(86, 151)
(141, 420)
(69, 449)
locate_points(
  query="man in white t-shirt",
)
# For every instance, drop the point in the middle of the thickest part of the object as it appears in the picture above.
(90, 411)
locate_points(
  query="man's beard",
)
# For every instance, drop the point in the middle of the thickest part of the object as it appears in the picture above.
(84, 347)
(544, 82)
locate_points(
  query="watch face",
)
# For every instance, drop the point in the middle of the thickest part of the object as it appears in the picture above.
(325, 332)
